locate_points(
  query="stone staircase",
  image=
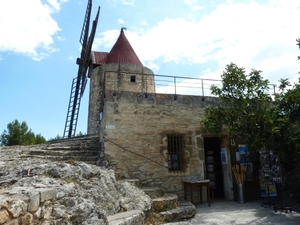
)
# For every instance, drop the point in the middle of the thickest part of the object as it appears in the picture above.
(85, 148)
(166, 208)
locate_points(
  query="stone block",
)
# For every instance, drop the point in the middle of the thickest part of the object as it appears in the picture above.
(47, 194)
(47, 212)
(4, 216)
(34, 202)
(199, 141)
(134, 182)
(58, 212)
(17, 207)
(13, 222)
(201, 154)
(129, 218)
(39, 214)
(186, 210)
(27, 219)
(153, 192)
(166, 202)
(46, 222)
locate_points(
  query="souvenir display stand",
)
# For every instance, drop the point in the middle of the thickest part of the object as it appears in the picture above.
(271, 178)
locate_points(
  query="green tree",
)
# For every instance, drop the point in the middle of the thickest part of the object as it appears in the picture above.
(19, 134)
(248, 111)
(287, 112)
(39, 139)
(57, 137)
(80, 134)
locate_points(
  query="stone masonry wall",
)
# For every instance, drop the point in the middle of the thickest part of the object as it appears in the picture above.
(140, 124)
(117, 77)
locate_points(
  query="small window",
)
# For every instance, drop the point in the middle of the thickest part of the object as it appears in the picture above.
(176, 152)
(133, 79)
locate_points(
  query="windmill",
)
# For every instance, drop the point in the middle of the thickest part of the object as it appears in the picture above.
(84, 67)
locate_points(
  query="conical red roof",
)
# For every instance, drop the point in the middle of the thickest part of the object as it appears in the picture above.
(122, 52)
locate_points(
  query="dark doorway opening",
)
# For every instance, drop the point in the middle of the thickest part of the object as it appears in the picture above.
(214, 169)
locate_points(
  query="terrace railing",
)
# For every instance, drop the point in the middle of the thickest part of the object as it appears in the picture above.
(189, 85)
(165, 84)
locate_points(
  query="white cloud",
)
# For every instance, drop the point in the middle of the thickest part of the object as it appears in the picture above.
(151, 65)
(127, 2)
(120, 21)
(31, 31)
(144, 22)
(252, 35)
(60, 38)
(193, 4)
(104, 41)
(56, 4)
(124, 2)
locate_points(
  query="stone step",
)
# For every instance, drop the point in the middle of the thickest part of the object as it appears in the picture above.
(133, 181)
(72, 147)
(87, 159)
(185, 210)
(166, 202)
(153, 192)
(177, 223)
(77, 143)
(69, 152)
(77, 139)
(134, 217)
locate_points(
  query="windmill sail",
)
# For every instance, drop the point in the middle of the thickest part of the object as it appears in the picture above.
(87, 62)
(84, 63)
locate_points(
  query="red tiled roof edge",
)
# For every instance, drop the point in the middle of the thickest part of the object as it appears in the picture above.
(121, 52)
(99, 58)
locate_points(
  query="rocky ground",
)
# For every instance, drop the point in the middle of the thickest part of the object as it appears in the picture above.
(40, 191)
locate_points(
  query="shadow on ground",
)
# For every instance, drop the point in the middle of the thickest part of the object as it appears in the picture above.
(231, 212)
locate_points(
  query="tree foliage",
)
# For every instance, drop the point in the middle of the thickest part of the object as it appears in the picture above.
(57, 137)
(287, 112)
(19, 134)
(249, 110)
(39, 139)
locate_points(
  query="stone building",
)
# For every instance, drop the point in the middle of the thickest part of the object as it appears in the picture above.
(153, 137)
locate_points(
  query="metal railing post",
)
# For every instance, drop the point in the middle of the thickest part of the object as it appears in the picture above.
(202, 87)
(175, 84)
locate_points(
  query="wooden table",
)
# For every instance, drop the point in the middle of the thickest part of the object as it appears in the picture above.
(193, 185)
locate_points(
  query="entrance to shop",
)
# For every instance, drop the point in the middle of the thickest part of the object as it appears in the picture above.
(214, 169)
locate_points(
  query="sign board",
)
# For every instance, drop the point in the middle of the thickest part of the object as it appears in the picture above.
(110, 127)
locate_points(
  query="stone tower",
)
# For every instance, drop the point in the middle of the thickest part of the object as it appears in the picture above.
(118, 70)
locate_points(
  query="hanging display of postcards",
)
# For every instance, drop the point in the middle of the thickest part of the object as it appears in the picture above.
(246, 161)
(245, 155)
(269, 173)
(210, 168)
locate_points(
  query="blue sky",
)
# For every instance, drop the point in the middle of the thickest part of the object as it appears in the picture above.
(39, 44)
